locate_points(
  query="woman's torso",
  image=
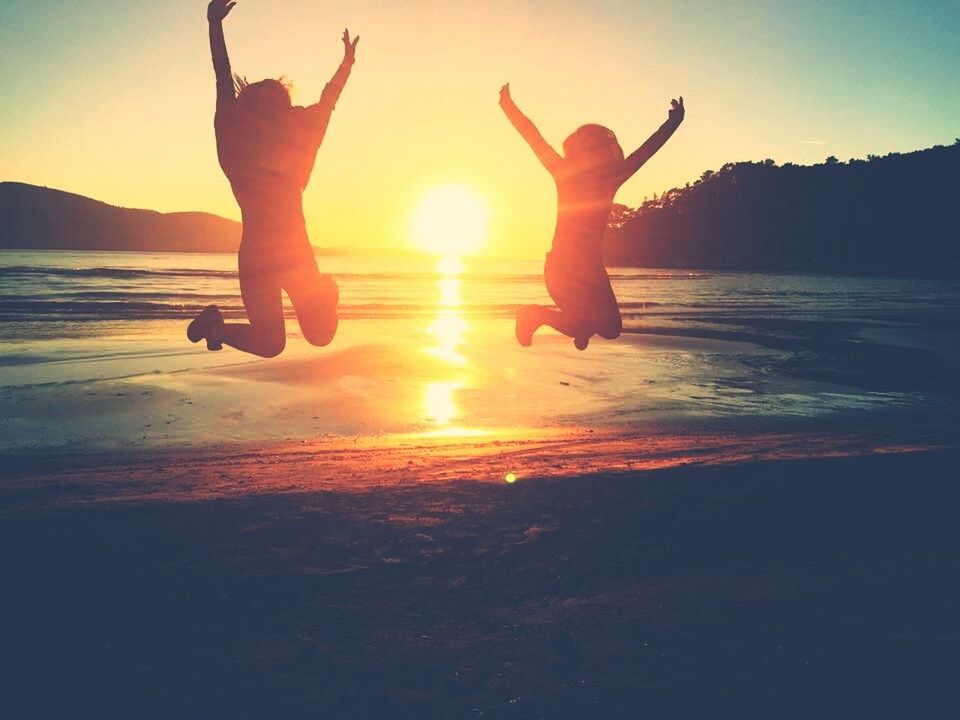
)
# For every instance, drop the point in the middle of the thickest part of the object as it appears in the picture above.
(584, 202)
(268, 165)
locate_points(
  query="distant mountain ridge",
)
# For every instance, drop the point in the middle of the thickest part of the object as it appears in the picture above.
(39, 218)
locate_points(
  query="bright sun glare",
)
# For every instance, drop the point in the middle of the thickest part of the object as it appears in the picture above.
(450, 221)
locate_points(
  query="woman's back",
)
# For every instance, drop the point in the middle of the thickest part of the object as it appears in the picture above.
(584, 200)
(254, 148)
(268, 161)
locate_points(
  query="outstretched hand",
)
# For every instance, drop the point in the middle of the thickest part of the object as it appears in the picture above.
(505, 98)
(349, 47)
(217, 10)
(676, 111)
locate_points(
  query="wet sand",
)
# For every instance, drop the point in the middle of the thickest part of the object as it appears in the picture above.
(149, 390)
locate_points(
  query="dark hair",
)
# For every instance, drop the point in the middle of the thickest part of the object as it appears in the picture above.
(265, 97)
(593, 144)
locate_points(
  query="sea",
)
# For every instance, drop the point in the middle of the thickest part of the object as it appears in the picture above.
(696, 344)
(38, 288)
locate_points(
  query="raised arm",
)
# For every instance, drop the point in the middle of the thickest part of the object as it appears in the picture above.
(656, 141)
(217, 10)
(322, 110)
(547, 155)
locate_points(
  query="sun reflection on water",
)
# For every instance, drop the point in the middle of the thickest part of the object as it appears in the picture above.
(449, 292)
(447, 332)
(439, 401)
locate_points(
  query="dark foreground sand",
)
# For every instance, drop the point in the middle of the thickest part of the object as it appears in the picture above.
(800, 588)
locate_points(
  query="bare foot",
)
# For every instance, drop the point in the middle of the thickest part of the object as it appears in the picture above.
(528, 320)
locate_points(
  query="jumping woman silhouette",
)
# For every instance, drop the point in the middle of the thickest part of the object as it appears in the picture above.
(267, 149)
(588, 175)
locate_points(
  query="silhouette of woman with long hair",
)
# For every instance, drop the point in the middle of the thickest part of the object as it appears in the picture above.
(588, 175)
(267, 149)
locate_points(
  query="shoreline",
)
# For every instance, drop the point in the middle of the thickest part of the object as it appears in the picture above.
(370, 463)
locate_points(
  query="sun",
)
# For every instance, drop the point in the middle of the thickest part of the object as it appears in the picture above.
(451, 221)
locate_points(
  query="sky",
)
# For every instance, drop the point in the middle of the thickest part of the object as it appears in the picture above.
(114, 100)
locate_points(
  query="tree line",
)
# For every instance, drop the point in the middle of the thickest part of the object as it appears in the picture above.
(896, 214)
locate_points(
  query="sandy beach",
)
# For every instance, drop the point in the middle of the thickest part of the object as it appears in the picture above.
(263, 586)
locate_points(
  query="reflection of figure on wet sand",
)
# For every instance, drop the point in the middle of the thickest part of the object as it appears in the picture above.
(267, 149)
(588, 175)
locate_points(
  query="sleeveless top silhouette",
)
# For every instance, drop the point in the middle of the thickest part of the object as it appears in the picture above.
(584, 199)
(268, 161)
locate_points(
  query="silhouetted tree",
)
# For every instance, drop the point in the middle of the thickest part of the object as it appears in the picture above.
(889, 215)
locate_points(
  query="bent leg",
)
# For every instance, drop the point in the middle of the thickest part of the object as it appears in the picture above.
(531, 317)
(572, 291)
(607, 321)
(265, 335)
(604, 311)
(314, 297)
(569, 324)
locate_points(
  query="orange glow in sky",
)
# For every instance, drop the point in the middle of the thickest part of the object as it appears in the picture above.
(115, 100)
(127, 116)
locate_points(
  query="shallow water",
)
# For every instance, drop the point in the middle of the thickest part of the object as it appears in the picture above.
(99, 286)
(92, 352)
